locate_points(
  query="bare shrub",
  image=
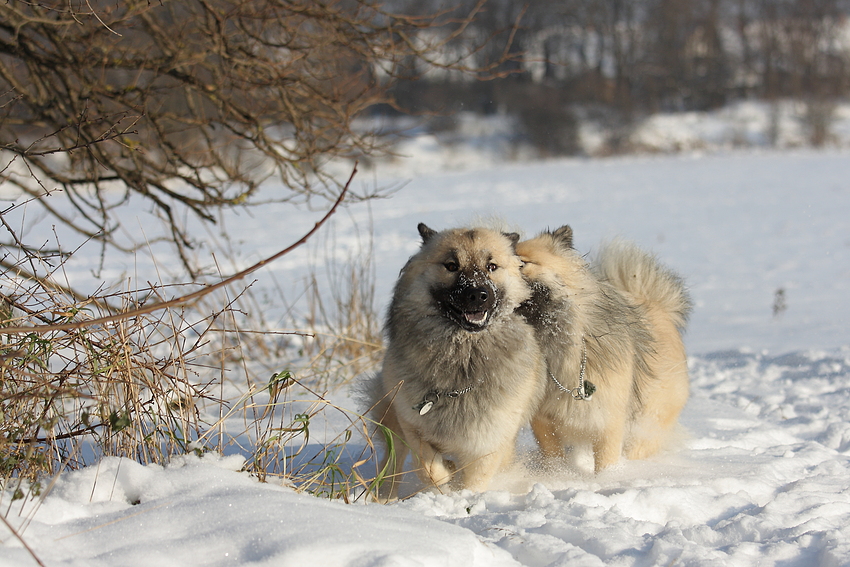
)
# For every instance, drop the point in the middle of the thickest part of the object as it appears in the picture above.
(124, 387)
(157, 376)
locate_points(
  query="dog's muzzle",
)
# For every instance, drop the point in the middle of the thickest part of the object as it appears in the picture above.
(471, 306)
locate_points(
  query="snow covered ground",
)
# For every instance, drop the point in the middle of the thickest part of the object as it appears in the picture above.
(762, 476)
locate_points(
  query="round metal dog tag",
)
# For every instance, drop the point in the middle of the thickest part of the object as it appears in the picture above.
(428, 402)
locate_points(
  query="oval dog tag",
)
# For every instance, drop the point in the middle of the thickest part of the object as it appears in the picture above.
(426, 407)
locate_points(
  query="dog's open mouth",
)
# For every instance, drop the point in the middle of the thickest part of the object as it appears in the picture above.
(468, 320)
(469, 306)
(476, 317)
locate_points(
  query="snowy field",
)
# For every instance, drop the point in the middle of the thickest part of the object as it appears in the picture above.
(761, 478)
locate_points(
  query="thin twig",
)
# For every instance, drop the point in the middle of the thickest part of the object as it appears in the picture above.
(20, 539)
(69, 435)
(188, 298)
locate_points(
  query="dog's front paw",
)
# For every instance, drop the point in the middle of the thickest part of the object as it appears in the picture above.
(438, 471)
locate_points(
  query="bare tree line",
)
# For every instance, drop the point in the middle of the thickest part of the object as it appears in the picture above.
(634, 57)
(691, 54)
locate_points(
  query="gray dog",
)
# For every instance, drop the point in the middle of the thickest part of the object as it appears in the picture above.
(462, 371)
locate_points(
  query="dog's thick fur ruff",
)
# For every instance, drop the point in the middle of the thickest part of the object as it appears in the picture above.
(624, 316)
(455, 339)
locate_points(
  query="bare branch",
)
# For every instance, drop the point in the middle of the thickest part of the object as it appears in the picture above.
(191, 297)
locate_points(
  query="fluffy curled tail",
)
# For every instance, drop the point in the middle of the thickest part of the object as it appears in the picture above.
(640, 274)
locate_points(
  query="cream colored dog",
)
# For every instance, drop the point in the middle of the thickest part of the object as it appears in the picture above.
(614, 328)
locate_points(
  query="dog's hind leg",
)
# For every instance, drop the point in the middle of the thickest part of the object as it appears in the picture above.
(654, 427)
(608, 447)
(546, 433)
(645, 446)
(663, 398)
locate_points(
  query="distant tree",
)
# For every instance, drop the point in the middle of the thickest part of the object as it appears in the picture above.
(686, 63)
(192, 104)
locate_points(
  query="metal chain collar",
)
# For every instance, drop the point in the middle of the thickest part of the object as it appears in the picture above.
(433, 397)
(585, 389)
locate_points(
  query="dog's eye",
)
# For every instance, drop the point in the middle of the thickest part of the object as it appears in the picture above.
(451, 266)
(491, 267)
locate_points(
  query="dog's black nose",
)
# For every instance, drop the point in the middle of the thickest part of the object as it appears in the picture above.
(477, 295)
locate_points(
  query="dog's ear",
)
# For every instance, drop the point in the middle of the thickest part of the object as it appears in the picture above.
(425, 232)
(564, 235)
(513, 237)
